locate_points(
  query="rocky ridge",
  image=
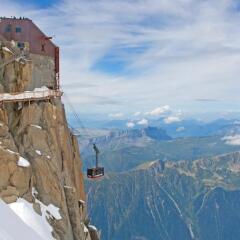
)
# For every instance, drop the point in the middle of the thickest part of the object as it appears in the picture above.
(177, 200)
(39, 157)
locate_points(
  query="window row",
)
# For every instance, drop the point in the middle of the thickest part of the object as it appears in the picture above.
(9, 29)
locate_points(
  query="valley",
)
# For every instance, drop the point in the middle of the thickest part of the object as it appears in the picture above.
(186, 200)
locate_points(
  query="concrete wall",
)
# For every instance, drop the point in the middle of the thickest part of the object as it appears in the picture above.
(42, 72)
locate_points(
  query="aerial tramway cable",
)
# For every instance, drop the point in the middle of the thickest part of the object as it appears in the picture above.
(97, 171)
(76, 116)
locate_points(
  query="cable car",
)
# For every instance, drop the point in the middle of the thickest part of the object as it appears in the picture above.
(96, 172)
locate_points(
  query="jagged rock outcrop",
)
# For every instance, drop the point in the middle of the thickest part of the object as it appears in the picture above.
(39, 157)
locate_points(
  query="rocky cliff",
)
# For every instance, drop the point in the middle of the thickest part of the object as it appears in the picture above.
(39, 158)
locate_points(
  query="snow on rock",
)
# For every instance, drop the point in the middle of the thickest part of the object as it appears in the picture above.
(68, 187)
(24, 210)
(10, 151)
(50, 210)
(12, 227)
(34, 192)
(92, 227)
(81, 201)
(38, 152)
(53, 210)
(36, 126)
(22, 162)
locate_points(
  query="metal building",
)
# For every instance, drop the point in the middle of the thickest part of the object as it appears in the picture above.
(28, 36)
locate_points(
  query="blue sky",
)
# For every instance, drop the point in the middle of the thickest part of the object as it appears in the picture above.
(38, 3)
(121, 57)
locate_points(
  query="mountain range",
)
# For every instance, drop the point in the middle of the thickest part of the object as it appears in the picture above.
(176, 200)
(123, 150)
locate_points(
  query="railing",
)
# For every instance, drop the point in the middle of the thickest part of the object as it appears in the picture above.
(30, 96)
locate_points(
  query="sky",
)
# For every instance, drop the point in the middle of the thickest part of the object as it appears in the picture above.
(128, 58)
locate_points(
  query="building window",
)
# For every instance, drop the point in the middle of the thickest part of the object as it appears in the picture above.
(18, 30)
(43, 47)
(8, 28)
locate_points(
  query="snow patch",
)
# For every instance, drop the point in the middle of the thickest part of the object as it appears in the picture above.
(12, 227)
(10, 151)
(191, 231)
(38, 223)
(81, 201)
(152, 163)
(34, 192)
(68, 187)
(92, 227)
(36, 126)
(49, 210)
(38, 152)
(22, 162)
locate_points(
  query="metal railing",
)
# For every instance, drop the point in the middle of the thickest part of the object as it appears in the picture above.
(30, 96)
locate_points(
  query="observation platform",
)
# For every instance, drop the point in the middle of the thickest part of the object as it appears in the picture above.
(27, 96)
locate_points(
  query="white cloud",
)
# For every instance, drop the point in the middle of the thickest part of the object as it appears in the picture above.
(159, 111)
(180, 129)
(232, 140)
(136, 114)
(176, 51)
(171, 119)
(130, 124)
(143, 122)
(116, 115)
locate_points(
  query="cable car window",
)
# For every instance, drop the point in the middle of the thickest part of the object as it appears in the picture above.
(18, 29)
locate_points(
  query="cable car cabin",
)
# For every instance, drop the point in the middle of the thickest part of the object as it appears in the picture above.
(95, 172)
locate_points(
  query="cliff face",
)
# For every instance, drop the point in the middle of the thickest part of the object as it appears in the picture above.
(39, 157)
